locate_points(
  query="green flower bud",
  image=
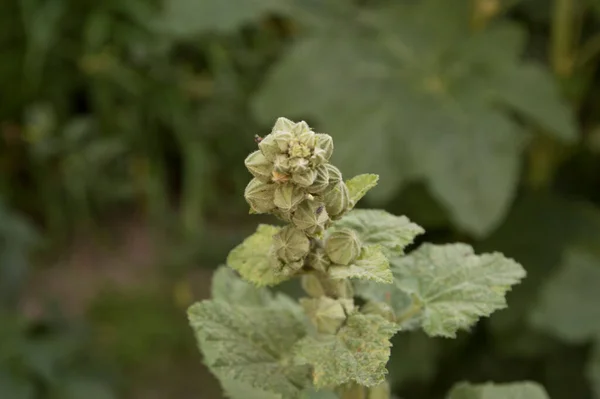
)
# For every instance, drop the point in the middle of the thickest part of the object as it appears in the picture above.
(379, 308)
(304, 179)
(323, 149)
(312, 285)
(335, 176)
(290, 244)
(321, 180)
(259, 166)
(288, 196)
(283, 140)
(337, 199)
(326, 314)
(260, 196)
(298, 150)
(291, 268)
(343, 246)
(282, 163)
(319, 284)
(269, 148)
(299, 165)
(311, 217)
(283, 124)
(318, 260)
(286, 216)
(300, 128)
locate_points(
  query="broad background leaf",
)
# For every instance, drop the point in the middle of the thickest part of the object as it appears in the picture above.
(516, 390)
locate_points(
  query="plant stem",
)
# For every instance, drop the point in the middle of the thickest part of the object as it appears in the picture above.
(563, 24)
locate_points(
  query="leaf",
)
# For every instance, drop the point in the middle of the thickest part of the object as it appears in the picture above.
(379, 227)
(370, 265)
(187, 18)
(15, 387)
(568, 304)
(514, 390)
(412, 94)
(532, 91)
(359, 352)
(251, 258)
(359, 185)
(251, 344)
(454, 286)
(228, 287)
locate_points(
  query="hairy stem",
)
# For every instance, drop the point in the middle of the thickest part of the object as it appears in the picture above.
(562, 36)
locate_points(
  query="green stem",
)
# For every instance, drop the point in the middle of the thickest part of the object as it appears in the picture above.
(563, 30)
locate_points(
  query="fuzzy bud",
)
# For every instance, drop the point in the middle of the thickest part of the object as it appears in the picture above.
(281, 163)
(283, 124)
(290, 244)
(260, 196)
(259, 166)
(335, 176)
(269, 148)
(311, 284)
(291, 268)
(305, 179)
(343, 246)
(311, 217)
(337, 199)
(299, 165)
(318, 260)
(326, 314)
(300, 128)
(321, 181)
(288, 196)
(323, 149)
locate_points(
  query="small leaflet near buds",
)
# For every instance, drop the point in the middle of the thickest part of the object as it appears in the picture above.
(307, 218)
(288, 196)
(259, 166)
(343, 246)
(260, 196)
(290, 244)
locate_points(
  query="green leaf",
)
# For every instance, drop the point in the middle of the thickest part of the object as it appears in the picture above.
(251, 258)
(251, 344)
(568, 304)
(359, 185)
(359, 352)
(370, 265)
(228, 287)
(390, 294)
(514, 390)
(15, 386)
(379, 227)
(531, 90)
(405, 84)
(454, 286)
(188, 18)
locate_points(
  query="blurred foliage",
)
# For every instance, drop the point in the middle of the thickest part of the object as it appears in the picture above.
(481, 116)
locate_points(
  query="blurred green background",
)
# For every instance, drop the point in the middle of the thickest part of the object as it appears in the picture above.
(123, 130)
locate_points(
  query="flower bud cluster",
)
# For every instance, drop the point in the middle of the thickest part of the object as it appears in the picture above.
(294, 181)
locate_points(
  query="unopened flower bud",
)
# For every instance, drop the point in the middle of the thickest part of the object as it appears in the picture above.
(343, 246)
(269, 148)
(282, 163)
(326, 314)
(335, 176)
(311, 284)
(304, 179)
(311, 217)
(291, 268)
(283, 124)
(318, 260)
(379, 308)
(260, 196)
(337, 199)
(299, 165)
(323, 149)
(290, 244)
(321, 180)
(288, 196)
(259, 166)
(308, 138)
(300, 128)
(283, 140)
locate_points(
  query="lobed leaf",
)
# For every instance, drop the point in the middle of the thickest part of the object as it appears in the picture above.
(372, 264)
(378, 227)
(455, 287)
(228, 287)
(251, 345)
(516, 390)
(568, 304)
(359, 352)
(251, 258)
